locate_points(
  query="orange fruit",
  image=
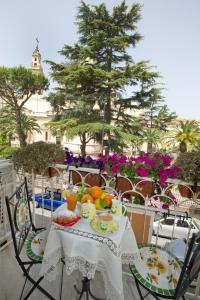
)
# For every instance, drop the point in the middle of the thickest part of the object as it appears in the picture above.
(96, 192)
(87, 197)
(108, 199)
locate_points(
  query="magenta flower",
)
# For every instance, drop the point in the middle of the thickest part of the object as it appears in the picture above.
(167, 160)
(104, 169)
(143, 172)
(165, 206)
(122, 159)
(163, 175)
(115, 169)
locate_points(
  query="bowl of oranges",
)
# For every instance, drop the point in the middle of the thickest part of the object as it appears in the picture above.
(96, 195)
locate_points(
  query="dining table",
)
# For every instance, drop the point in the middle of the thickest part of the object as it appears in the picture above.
(83, 248)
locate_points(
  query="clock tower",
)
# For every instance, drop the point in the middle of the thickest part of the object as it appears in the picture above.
(36, 65)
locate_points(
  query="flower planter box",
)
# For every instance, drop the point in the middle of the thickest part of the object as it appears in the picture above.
(146, 188)
(49, 172)
(52, 172)
(187, 191)
(92, 176)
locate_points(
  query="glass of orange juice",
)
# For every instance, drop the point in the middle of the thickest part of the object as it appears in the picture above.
(71, 200)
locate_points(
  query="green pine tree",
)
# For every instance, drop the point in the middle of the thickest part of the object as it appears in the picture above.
(99, 68)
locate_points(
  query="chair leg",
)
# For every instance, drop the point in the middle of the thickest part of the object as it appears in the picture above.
(138, 289)
(20, 298)
(27, 270)
(33, 288)
(87, 295)
(36, 285)
(155, 296)
(61, 283)
(140, 293)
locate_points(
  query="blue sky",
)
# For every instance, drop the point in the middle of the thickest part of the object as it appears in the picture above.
(171, 41)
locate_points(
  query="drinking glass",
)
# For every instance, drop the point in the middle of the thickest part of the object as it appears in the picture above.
(71, 200)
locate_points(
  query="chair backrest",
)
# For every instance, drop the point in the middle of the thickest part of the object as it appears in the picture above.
(191, 266)
(19, 215)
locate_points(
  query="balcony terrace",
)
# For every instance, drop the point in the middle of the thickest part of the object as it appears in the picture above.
(12, 279)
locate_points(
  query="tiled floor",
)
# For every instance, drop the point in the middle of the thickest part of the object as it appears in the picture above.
(11, 280)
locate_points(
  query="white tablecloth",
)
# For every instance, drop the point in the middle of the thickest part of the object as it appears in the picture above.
(86, 250)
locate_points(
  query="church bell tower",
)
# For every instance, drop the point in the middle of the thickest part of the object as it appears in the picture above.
(36, 65)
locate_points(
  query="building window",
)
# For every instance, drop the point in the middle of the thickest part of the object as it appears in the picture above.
(35, 58)
(58, 140)
(35, 64)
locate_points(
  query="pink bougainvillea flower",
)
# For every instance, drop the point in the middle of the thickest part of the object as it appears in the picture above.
(165, 206)
(115, 169)
(123, 159)
(163, 175)
(143, 172)
(104, 169)
(167, 160)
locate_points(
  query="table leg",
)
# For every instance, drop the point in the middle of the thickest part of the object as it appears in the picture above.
(86, 289)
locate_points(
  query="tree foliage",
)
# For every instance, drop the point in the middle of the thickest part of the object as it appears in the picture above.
(186, 134)
(99, 68)
(8, 126)
(17, 85)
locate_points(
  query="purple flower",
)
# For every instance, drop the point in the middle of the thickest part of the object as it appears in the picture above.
(99, 163)
(113, 157)
(163, 175)
(165, 206)
(122, 159)
(167, 160)
(115, 169)
(143, 172)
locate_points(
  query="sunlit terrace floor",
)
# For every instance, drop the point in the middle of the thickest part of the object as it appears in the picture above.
(11, 279)
(12, 282)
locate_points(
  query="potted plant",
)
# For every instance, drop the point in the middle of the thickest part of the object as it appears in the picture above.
(84, 167)
(137, 173)
(144, 171)
(189, 163)
(38, 157)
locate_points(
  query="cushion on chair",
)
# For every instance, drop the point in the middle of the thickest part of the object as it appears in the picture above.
(157, 269)
(35, 246)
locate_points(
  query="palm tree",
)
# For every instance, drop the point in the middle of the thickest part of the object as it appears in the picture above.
(153, 137)
(186, 134)
(29, 125)
(8, 124)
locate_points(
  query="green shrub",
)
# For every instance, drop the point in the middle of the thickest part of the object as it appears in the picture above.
(37, 157)
(7, 151)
